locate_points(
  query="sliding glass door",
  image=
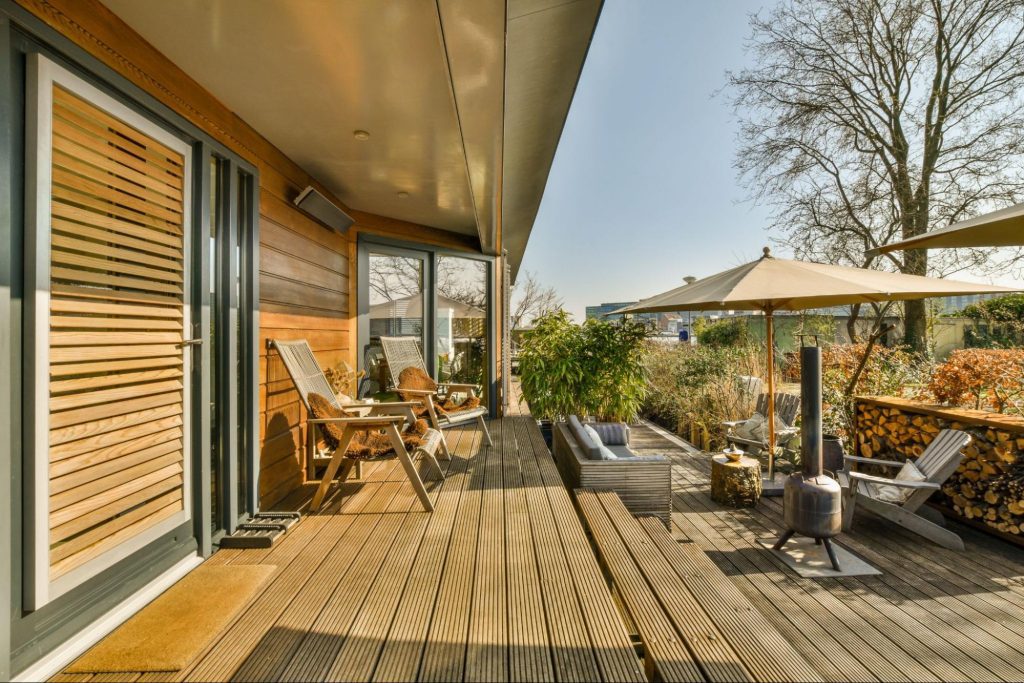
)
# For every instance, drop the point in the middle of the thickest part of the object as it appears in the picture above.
(439, 297)
(230, 350)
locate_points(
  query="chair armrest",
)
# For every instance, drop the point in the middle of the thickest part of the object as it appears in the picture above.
(458, 386)
(860, 476)
(378, 420)
(872, 461)
(381, 404)
(417, 392)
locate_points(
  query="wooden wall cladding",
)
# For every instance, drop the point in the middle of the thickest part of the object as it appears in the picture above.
(304, 294)
(307, 272)
(116, 323)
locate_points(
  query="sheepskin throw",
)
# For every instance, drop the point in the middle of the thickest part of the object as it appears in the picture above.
(366, 444)
(414, 378)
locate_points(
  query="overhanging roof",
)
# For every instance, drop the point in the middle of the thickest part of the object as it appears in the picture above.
(464, 102)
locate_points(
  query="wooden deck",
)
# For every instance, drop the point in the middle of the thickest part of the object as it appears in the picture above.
(500, 583)
(933, 614)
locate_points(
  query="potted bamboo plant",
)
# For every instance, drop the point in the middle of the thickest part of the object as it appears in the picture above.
(593, 369)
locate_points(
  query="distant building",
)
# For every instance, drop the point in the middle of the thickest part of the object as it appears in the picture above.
(954, 304)
(665, 324)
(600, 312)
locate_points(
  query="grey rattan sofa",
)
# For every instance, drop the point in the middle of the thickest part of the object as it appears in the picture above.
(643, 482)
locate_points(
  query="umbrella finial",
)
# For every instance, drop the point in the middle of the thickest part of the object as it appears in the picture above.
(767, 252)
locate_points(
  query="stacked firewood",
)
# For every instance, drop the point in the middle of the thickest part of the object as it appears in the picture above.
(989, 484)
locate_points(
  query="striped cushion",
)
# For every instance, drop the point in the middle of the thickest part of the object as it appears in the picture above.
(611, 433)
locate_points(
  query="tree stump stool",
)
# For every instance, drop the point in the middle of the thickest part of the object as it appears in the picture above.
(736, 484)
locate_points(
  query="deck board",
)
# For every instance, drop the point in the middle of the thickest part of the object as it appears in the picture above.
(501, 582)
(933, 614)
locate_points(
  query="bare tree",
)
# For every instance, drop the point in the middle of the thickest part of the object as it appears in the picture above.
(869, 121)
(397, 277)
(531, 300)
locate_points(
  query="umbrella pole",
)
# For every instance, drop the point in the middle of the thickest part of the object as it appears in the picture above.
(770, 341)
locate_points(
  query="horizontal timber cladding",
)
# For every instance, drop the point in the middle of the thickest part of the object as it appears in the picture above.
(304, 294)
(307, 272)
(117, 317)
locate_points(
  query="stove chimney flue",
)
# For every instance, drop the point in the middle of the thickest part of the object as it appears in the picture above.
(811, 504)
(810, 410)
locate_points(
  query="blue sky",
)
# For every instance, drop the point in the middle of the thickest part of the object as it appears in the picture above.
(642, 191)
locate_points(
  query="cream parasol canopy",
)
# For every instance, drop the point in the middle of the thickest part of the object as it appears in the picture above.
(772, 284)
(1002, 228)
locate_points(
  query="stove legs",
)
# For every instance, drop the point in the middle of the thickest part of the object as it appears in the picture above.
(788, 534)
(782, 539)
(831, 554)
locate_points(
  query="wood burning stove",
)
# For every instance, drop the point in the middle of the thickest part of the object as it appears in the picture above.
(812, 501)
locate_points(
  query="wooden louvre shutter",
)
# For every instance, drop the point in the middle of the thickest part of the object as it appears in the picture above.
(117, 305)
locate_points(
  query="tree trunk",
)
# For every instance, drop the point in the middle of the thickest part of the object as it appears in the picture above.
(915, 262)
(851, 323)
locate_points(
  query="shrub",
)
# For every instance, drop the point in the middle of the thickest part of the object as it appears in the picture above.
(981, 378)
(729, 332)
(614, 379)
(698, 387)
(998, 323)
(888, 372)
(591, 369)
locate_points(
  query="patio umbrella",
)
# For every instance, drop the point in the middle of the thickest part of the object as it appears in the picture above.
(1003, 228)
(772, 284)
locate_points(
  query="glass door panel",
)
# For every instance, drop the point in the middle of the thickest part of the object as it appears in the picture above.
(398, 307)
(461, 339)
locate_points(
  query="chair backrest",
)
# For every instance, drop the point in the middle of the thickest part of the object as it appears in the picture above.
(305, 372)
(402, 353)
(786, 406)
(943, 455)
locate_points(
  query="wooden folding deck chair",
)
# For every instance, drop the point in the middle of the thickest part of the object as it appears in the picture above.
(402, 353)
(309, 379)
(938, 462)
(786, 408)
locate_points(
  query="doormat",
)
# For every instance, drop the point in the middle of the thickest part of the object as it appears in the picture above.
(810, 561)
(170, 632)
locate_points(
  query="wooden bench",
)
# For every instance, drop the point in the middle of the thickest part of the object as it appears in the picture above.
(694, 623)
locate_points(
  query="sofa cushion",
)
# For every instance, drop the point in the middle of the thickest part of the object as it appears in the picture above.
(587, 444)
(612, 433)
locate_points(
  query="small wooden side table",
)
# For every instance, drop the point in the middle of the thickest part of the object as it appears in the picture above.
(736, 484)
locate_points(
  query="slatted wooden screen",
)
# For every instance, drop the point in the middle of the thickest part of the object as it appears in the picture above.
(117, 404)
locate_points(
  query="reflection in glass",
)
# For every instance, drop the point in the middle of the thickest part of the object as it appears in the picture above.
(396, 310)
(461, 329)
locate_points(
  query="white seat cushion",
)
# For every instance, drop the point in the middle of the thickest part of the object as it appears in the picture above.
(897, 494)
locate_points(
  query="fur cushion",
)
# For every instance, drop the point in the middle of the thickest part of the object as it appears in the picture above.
(366, 443)
(415, 378)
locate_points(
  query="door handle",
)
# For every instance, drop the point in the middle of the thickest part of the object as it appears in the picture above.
(191, 342)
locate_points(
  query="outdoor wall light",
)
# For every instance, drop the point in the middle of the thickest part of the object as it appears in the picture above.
(324, 210)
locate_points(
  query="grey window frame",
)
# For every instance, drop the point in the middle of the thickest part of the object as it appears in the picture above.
(367, 243)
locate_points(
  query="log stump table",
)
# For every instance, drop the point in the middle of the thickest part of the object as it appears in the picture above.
(736, 484)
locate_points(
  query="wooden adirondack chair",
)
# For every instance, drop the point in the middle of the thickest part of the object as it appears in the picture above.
(309, 378)
(404, 352)
(786, 408)
(938, 462)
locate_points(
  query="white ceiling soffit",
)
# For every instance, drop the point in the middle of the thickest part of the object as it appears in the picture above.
(428, 80)
(546, 45)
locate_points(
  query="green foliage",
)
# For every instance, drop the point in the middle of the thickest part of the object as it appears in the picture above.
(728, 332)
(615, 383)
(550, 371)
(695, 388)
(998, 323)
(590, 369)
